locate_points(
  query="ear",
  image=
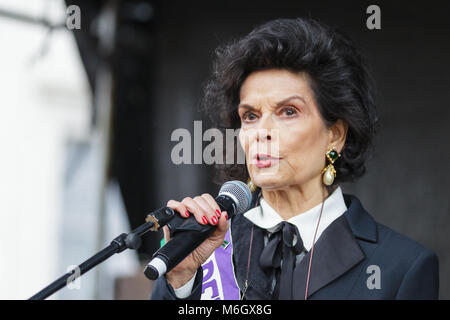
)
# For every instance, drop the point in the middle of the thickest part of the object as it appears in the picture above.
(338, 134)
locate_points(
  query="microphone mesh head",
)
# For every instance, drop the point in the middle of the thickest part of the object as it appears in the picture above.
(241, 192)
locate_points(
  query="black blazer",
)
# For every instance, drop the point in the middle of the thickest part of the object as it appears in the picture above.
(354, 258)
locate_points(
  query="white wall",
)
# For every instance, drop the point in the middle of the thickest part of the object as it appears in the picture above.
(44, 104)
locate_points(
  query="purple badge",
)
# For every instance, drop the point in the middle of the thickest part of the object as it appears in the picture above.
(219, 282)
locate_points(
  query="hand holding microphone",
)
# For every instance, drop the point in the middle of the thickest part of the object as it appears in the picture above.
(196, 231)
(206, 211)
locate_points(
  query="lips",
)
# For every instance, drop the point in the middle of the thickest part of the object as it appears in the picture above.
(265, 160)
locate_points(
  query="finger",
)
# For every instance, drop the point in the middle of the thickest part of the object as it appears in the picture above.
(222, 226)
(210, 211)
(178, 206)
(212, 202)
(198, 212)
(166, 232)
(223, 222)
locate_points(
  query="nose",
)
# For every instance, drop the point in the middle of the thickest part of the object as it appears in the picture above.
(263, 135)
(264, 131)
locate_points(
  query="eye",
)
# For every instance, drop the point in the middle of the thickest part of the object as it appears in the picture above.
(248, 116)
(289, 111)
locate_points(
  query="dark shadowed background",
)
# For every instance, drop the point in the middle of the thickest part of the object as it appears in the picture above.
(405, 186)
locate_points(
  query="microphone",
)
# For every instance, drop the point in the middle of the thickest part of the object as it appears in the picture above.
(187, 234)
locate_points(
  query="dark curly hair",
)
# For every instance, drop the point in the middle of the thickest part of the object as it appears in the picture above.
(339, 79)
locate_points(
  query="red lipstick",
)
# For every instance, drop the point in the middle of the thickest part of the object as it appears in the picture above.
(265, 160)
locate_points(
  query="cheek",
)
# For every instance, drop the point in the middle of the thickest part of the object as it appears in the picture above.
(303, 148)
(243, 140)
(293, 140)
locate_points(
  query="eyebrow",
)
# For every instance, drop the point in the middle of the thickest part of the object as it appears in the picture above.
(278, 104)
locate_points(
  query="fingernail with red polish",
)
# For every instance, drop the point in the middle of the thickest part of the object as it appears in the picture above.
(214, 220)
(205, 221)
(218, 213)
(186, 213)
(226, 215)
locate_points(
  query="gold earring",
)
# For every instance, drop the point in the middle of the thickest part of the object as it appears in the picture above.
(251, 185)
(329, 173)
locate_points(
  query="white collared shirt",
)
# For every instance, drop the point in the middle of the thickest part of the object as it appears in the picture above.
(265, 217)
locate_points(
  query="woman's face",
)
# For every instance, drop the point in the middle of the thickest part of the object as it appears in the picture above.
(282, 132)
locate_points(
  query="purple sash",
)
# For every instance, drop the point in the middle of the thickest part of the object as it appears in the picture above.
(219, 282)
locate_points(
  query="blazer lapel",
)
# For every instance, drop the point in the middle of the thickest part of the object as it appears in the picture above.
(259, 286)
(360, 221)
(337, 250)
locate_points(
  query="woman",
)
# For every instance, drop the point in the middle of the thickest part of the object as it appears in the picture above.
(302, 97)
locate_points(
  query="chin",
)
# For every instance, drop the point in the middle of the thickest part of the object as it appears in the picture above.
(270, 183)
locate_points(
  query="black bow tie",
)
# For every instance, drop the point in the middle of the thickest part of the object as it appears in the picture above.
(280, 252)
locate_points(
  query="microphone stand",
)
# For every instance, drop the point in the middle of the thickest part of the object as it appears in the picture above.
(119, 244)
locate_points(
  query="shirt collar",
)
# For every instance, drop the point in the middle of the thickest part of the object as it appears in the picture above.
(265, 217)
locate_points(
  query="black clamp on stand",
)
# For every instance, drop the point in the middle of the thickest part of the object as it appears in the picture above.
(154, 221)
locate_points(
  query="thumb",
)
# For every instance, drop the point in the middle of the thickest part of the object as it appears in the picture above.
(223, 222)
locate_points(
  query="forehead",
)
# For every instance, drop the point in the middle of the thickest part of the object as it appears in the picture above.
(275, 84)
